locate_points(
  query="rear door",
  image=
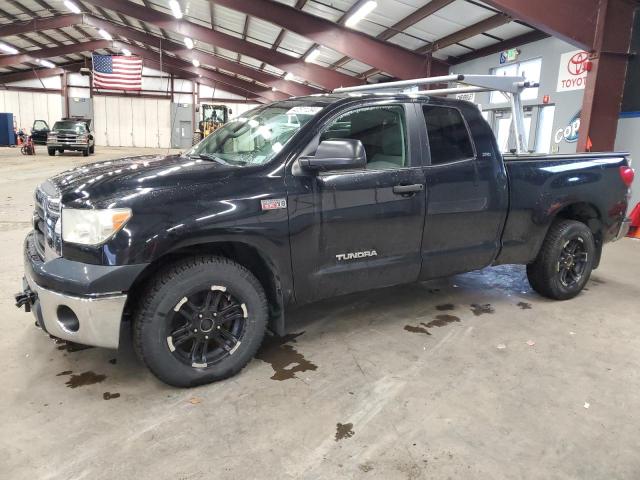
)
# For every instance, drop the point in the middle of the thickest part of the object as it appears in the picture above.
(360, 229)
(467, 194)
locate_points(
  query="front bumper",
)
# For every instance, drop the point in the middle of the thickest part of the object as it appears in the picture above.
(86, 320)
(78, 146)
(76, 301)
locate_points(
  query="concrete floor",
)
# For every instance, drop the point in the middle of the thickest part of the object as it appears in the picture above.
(434, 380)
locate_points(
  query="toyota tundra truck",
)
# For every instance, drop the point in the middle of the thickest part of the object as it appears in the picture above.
(303, 199)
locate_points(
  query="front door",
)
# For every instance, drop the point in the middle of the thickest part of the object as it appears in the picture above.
(360, 229)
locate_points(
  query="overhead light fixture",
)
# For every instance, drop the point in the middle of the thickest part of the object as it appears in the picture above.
(274, 89)
(175, 8)
(7, 48)
(313, 54)
(104, 34)
(46, 63)
(126, 52)
(288, 76)
(362, 12)
(196, 62)
(188, 43)
(72, 6)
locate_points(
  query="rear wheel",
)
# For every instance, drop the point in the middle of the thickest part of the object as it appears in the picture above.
(565, 261)
(61, 151)
(202, 320)
(51, 151)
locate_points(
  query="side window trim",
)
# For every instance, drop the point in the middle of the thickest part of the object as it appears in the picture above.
(427, 143)
(406, 109)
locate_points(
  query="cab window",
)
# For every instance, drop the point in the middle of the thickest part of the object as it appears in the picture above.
(382, 131)
(449, 139)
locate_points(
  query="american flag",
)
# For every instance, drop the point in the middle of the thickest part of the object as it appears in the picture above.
(117, 72)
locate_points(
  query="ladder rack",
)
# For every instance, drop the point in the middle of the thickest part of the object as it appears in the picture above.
(510, 85)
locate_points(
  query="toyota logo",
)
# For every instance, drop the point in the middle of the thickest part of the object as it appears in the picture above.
(576, 65)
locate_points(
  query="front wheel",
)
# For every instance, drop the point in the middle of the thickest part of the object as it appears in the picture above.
(565, 261)
(51, 151)
(200, 321)
(85, 152)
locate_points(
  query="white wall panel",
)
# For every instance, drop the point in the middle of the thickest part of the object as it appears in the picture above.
(125, 118)
(164, 119)
(112, 114)
(100, 120)
(54, 108)
(140, 126)
(151, 132)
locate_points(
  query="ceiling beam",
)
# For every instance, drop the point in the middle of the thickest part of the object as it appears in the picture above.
(290, 87)
(313, 73)
(388, 57)
(34, 74)
(420, 14)
(499, 47)
(466, 33)
(45, 53)
(571, 20)
(220, 77)
(37, 24)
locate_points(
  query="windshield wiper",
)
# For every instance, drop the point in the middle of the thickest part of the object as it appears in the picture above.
(208, 156)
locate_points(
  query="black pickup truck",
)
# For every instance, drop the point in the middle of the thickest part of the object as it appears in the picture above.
(296, 201)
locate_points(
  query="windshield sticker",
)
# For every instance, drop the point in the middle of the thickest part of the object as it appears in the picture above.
(304, 110)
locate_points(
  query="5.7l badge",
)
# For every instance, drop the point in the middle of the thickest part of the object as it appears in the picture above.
(273, 203)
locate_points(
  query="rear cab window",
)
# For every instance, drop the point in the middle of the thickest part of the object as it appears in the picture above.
(449, 139)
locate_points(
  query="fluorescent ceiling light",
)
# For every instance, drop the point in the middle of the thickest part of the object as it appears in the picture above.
(196, 62)
(126, 52)
(274, 89)
(188, 43)
(175, 8)
(6, 48)
(46, 63)
(72, 6)
(362, 12)
(104, 34)
(288, 76)
(313, 54)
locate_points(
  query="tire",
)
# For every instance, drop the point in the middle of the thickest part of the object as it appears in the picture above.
(51, 152)
(85, 152)
(61, 151)
(172, 297)
(92, 149)
(556, 273)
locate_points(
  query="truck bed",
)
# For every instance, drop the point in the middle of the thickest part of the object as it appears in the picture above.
(544, 187)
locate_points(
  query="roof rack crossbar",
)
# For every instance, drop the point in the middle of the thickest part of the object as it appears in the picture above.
(512, 85)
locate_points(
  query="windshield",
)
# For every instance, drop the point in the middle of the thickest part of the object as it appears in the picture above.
(75, 126)
(257, 136)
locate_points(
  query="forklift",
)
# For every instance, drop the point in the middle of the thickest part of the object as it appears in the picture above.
(212, 117)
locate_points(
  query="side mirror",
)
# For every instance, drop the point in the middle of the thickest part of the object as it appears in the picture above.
(341, 154)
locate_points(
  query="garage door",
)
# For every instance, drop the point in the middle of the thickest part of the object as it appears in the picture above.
(131, 122)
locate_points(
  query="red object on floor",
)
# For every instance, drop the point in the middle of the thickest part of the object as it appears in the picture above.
(634, 230)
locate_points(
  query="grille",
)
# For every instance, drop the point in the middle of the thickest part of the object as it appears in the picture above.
(67, 138)
(45, 217)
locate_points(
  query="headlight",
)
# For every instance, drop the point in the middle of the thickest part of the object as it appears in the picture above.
(92, 227)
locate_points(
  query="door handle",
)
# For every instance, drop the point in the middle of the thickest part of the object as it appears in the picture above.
(408, 189)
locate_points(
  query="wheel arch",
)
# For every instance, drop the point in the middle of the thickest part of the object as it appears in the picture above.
(588, 214)
(249, 256)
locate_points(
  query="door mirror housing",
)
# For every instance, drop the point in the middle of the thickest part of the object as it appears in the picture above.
(340, 154)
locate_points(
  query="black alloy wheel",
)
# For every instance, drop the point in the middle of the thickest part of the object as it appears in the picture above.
(572, 262)
(206, 327)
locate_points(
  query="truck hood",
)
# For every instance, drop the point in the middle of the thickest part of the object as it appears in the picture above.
(108, 179)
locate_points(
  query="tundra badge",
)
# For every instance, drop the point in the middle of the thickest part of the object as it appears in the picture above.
(355, 255)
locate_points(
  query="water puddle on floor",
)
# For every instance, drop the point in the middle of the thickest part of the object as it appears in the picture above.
(85, 378)
(285, 360)
(524, 305)
(344, 431)
(109, 395)
(482, 309)
(440, 321)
